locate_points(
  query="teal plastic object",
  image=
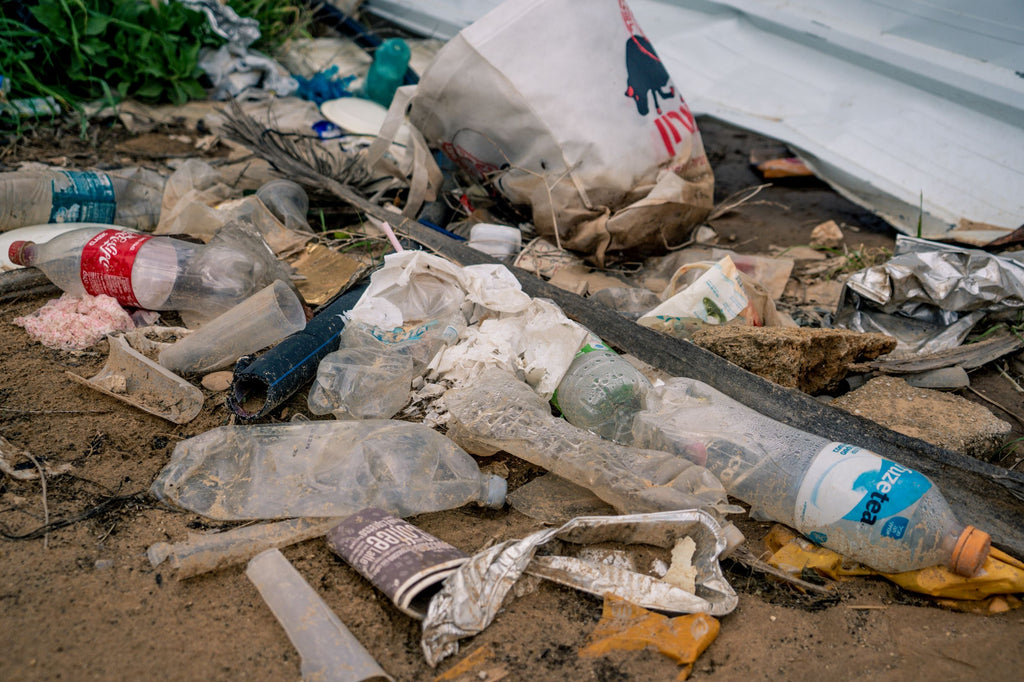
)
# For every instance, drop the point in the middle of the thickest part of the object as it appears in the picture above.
(387, 72)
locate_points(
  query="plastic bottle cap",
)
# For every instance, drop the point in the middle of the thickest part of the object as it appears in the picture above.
(972, 548)
(497, 487)
(15, 251)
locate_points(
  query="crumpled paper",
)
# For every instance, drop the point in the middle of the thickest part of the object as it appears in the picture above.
(470, 598)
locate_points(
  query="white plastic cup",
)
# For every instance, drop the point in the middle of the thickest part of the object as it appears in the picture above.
(499, 241)
(259, 321)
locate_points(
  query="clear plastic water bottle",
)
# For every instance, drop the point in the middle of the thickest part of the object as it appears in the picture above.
(129, 197)
(390, 62)
(323, 469)
(864, 506)
(144, 271)
(601, 392)
(370, 375)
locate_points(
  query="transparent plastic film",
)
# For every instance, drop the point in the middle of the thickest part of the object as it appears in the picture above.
(496, 411)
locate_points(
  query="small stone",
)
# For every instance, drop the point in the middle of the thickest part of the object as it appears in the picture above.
(943, 379)
(827, 235)
(218, 381)
(104, 564)
(939, 418)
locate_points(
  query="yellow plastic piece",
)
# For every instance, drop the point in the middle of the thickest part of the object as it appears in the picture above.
(991, 590)
(628, 627)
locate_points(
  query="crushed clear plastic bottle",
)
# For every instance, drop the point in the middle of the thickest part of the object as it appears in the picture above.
(601, 392)
(323, 469)
(129, 197)
(864, 506)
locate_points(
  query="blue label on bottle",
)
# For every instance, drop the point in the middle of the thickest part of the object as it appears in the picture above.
(88, 198)
(895, 527)
(846, 482)
(817, 537)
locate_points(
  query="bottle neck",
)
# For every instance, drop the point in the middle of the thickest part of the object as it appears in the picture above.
(23, 253)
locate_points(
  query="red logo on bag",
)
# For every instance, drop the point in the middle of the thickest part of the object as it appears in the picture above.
(474, 167)
(647, 79)
(107, 261)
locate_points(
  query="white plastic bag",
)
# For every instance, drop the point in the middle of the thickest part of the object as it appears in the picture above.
(566, 107)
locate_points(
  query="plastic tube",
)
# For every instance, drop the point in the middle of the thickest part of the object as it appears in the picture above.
(260, 385)
(329, 651)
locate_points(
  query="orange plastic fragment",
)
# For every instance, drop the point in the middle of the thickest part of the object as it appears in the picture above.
(628, 627)
(790, 167)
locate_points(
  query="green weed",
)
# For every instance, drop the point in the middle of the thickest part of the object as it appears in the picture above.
(81, 51)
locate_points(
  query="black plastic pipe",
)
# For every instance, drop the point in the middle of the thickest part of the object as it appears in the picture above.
(261, 384)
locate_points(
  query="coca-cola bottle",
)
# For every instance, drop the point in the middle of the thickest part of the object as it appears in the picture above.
(155, 273)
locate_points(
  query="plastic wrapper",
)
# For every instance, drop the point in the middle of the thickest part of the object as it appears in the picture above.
(471, 597)
(627, 627)
(929, 295)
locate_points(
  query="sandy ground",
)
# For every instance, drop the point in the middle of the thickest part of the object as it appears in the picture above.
(83, 602)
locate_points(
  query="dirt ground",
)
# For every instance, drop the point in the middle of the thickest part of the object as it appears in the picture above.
(83, 602)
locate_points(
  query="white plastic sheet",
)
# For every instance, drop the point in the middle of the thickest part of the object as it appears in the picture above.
(899, 106)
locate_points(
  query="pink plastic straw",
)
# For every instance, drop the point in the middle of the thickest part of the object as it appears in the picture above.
(392, 238)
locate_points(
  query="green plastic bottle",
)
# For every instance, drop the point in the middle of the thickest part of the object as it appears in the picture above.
(390, 62)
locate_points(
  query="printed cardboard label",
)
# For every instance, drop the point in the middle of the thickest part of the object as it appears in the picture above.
(402, 561)
(107, 261)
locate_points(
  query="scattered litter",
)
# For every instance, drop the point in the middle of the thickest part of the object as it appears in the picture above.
(1000, 575)
(471, 597)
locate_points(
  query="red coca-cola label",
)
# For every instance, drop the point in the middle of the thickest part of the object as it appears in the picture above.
(107, 261)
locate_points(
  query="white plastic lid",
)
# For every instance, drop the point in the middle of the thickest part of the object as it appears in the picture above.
(496, 489)
(360, 117)
(495, 240)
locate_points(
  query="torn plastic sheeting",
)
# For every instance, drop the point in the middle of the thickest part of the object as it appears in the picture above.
(471, 597)
(930, 295)
(898, 107)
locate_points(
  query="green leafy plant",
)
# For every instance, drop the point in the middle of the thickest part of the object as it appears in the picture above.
(85, 50)
(279, 21)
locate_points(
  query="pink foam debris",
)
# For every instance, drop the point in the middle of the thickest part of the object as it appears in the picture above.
(75, 323)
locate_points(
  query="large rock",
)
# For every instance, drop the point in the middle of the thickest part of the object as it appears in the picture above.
(810, 359)
(943, 419)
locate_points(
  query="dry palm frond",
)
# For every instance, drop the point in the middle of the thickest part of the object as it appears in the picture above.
(299, 158)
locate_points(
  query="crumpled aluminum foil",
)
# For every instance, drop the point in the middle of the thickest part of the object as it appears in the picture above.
(226, 23)
(929, 295)
(470, 598)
